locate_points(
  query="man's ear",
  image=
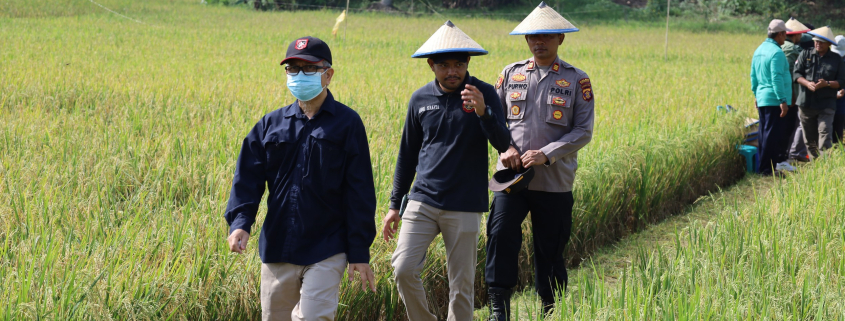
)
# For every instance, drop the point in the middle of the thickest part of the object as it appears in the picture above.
(430, 63)
(329, 74)
(562, 36)
(468, 58)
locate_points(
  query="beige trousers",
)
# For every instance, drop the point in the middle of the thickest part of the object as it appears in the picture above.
(301, 292)
(420, 224)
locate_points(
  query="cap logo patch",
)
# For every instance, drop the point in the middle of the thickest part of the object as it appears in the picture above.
(556, 67)
(557, 101)
(585, 83)
(562, 83)
(500, 81)
(587, 94)
(518, 77)
(557, 114)
(515, 95)
(515, 110)
(301, 44)
(530, 65)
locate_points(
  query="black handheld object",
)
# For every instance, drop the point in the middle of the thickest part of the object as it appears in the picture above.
(403, 205)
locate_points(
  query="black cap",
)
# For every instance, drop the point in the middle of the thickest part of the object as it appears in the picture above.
(510, 181)
(309, 49)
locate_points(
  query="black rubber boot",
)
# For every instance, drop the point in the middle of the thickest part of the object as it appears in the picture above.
(499, 304)
(548, 307)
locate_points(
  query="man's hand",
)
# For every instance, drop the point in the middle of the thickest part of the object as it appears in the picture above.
(783, 109)
(810, 85)
(472, 97)
(366, 274)
(511, 159)
(533, 157)
(822, 84)
(391, 224)
(840, 94)
(237, 241)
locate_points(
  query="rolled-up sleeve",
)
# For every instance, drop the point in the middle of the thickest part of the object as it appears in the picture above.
(248, 182)
(583, 116)
(359, 197)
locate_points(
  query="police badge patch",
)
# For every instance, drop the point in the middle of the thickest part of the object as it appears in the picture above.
(557, 114)
(562, 83)
(518, 77)
(515, 95)
(515, 110)
(556, 67)
(585, 83)
(530, 65)
(587, 94)
(500, 81)
(557, 101)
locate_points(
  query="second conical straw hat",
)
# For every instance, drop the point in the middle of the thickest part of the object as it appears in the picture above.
(543, 20)
(449, 39)
(796, 27)
(823, 33)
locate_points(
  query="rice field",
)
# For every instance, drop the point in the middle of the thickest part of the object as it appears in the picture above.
(773, 254)
(120, 136)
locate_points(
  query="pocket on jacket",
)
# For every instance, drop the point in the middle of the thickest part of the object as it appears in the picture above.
(558, 110)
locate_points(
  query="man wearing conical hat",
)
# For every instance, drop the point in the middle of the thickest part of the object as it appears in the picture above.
(444, 143)
(791, 49)
(549, 107)
(821, 74)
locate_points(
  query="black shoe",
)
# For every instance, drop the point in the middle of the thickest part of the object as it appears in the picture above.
(499, 304)
(548, 307)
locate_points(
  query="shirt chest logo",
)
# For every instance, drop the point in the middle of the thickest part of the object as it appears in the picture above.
(427, 108)
(515, 110)
(515, 95)
(518, 78)
(557, 114)
(557, 101)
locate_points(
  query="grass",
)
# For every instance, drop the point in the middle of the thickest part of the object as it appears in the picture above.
(119, 141)
(765, 249)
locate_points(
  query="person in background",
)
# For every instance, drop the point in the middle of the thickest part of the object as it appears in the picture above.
(772, 90)
(314, 159)
(444, 144)
(820, 73)
(791, 49)
(839, 116)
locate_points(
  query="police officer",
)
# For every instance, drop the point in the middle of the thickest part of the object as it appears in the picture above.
(549, 108)
(444, 143)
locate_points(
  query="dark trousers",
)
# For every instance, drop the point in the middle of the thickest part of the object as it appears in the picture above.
(774, 138)
(838, 127)
(551, 223)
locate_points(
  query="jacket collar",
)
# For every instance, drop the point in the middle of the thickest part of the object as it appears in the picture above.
(327, 106)
(555, 68)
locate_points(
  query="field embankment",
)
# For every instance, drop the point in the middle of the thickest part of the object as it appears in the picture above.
(119, 141)
(765, 249)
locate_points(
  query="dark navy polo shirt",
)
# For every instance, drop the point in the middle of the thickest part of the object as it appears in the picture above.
(321, 194)
(445, 146)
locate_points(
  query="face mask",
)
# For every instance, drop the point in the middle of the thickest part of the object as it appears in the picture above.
(305, 87)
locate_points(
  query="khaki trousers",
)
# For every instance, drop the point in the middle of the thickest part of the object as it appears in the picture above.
(818, 128)
(420, 224)
(301, 292)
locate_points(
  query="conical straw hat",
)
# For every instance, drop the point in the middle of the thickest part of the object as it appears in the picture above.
(449, 39)
(543, 20)
(823, 33)
(796, 27)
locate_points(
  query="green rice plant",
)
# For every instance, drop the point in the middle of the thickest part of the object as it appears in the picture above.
(119, 140)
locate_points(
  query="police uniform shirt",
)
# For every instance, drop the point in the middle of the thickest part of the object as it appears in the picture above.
(552, 113)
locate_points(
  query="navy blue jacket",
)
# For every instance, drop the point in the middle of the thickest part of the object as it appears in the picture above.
(321, 194)
(445, 145)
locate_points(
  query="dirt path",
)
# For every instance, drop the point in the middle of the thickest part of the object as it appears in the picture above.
(614, 258)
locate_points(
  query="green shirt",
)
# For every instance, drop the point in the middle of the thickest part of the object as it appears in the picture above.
(813, 67)
(770, 81)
